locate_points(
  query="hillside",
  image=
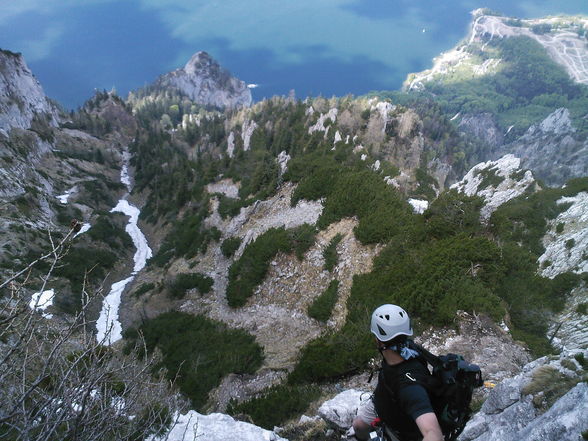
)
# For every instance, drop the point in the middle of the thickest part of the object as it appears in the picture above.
(237, 249)
(520, 86)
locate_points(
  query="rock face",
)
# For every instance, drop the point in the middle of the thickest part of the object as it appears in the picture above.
(551, 149)
(215, 427)
(496, 181)
(203, 80)
(482, 126)
(21, 96)
(515, 409)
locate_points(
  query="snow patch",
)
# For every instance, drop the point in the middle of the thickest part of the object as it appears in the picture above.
(419, 206)
(85, 227)
(63, 198)
(40, 301)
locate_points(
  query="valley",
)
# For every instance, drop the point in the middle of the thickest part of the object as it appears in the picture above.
(228, 253)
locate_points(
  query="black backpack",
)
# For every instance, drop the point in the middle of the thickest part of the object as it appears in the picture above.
(450, 389)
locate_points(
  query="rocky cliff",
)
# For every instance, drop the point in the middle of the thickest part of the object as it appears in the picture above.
(22, 100)
(204, 81)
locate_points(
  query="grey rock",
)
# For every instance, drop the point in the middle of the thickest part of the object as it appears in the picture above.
(482, 126)
(506, 394)
(203, 80)
(21, 96)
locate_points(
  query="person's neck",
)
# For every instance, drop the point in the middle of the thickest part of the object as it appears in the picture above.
(392, 357)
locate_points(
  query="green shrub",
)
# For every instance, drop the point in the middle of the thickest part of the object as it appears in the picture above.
(489, 178)
(330, 252)
(230, 207)
(322, 307)
(230, 246)
(453, 213)
(105, 230)
(570, 243)
(81, 265)
(560, 227)
(582, 308)
(277, 405)
(144, 288)
(301, 239)
(183, 282)
(187, 238)
(247, 272)
(197, 352)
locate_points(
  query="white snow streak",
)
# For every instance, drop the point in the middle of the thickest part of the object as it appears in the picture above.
(108, 327)
(41, 301)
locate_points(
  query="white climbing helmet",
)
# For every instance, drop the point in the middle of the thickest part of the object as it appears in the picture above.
(388, 321)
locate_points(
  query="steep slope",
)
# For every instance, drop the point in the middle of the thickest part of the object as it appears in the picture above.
(206, 83)
(519, 85)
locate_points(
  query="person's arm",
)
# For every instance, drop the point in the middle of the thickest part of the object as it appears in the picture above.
(429, 427)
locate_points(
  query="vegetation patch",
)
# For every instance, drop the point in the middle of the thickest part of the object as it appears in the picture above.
(489, 178)
(524, 219)
(277, 405)
(197, 352)
(143, 289)
(187, 238)
(230, 246)
(247, 272)
(547, 386)
(330, 252)
(82, 266)
(322, 307)
(183, 282)
(105, 230)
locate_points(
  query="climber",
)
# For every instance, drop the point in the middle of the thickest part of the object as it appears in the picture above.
(409, 414)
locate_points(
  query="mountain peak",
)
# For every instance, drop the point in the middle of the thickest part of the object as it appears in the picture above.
(205, 81)
(199, 61)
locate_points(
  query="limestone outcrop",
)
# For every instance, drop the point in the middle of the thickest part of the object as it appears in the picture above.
(203, 80)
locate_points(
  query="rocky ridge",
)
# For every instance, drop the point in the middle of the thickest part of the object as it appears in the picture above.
(497, 182)
(204, 81)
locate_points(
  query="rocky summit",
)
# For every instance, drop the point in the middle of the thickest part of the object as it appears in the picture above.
(204, 81)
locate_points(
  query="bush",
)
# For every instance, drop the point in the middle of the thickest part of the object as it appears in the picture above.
(277, 405)
(103, 229)
(82, 263)
(301, 239)
(144, 288)
(183, 282)
(198, 352)
(230, 246)
(330, 252)
(247, 272)
(582, 308)
(322, 307)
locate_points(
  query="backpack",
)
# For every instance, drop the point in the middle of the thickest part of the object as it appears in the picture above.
(450, 389)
